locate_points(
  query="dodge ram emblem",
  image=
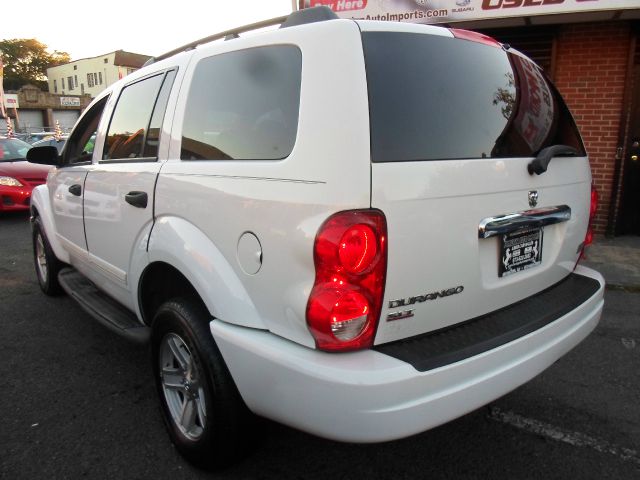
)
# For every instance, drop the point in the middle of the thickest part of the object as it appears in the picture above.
(533, 198)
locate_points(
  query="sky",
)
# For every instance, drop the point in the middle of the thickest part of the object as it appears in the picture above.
(88, 29)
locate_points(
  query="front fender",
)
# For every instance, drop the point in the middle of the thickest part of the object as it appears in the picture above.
(185, 247)
(40, 202)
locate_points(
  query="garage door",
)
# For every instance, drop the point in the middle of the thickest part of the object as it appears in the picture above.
(30, 120)
(67, 118)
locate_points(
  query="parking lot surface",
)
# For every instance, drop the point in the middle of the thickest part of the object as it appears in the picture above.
(79, 402)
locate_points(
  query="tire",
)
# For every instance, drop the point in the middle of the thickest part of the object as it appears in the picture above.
(207, 419)
(45, 261)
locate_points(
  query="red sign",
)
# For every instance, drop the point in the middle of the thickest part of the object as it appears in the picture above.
(338, 5)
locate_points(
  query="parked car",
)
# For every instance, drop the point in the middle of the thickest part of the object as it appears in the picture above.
(305, 234)
(51, 141)
(17, 176)
(34, 137)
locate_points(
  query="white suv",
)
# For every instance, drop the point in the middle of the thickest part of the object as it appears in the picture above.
(359, 229)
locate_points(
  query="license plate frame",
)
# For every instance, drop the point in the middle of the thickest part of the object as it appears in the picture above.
(520, 250)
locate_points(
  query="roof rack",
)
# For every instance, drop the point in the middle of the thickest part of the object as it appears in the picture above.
(299, 17)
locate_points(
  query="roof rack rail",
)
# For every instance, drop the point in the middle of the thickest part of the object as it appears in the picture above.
(299, 17)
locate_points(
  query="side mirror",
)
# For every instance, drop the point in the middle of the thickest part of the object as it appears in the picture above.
(45, 155)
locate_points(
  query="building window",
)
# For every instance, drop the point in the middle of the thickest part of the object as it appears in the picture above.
(90, 79)
(106, 60)
(100, 77)
(70, 82)
(75, 67)
(62, 83)
(75, 78)
(55, 86)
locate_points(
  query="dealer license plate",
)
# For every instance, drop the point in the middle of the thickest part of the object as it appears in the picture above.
(520, 250)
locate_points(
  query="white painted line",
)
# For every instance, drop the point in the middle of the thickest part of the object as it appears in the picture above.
(552, 432)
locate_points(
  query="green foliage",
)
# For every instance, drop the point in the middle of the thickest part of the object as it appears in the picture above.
(26, 61)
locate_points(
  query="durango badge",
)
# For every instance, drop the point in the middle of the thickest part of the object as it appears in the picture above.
(403, 302)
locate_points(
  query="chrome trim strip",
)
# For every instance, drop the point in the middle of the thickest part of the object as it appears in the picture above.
(539, 217)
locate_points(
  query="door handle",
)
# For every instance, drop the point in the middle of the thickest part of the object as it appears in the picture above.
(75, 190)
(137, 199)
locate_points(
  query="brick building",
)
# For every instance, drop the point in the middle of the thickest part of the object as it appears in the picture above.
(587, 47)
(595, 67)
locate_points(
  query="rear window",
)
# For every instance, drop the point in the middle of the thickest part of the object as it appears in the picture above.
(244, 105)
(440, 98)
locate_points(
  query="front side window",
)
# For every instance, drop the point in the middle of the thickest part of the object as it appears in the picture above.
(80, 145)
(447, 98)
(134, 129)
(243, 105)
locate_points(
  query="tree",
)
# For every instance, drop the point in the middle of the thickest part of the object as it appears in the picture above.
(26, 61)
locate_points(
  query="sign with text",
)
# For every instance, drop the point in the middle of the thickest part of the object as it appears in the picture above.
(11, 100)
(443, 11)
(70, 101)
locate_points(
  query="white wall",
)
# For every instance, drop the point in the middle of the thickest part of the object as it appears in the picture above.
(100, 68)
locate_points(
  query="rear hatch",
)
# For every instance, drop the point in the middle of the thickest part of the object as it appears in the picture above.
(455, 124)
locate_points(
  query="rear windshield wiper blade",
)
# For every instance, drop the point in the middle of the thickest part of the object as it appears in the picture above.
(539, 164)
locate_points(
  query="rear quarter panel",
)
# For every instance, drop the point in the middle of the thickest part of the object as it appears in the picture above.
(282, 202)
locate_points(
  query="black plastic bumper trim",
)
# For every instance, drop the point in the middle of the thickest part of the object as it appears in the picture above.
(452, 344)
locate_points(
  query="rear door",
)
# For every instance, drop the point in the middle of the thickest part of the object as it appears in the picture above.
(454, 125)
(118, 196)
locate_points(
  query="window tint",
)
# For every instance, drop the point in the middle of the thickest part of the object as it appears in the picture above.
(131, 117)
(243, 105)
(79, 146)
(438, 98)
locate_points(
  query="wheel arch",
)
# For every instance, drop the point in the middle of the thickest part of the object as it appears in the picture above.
(41, 207)
(182, 252)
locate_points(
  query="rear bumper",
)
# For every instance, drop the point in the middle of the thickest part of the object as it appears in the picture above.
(369, 396)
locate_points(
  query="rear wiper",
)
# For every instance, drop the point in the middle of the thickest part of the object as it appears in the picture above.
(539, 164)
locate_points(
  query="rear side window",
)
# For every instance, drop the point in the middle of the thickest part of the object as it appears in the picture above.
(243, 105)
(439, 98)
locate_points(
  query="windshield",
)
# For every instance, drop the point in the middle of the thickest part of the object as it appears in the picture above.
(440, 98)
(13, 149)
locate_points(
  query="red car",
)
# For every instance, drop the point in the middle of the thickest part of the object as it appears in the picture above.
(17, 176)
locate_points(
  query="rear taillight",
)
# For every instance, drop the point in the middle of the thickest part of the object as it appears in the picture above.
(593, 208)
(350, 257)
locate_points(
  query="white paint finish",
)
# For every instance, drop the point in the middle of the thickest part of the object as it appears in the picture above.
(433, 211)
(249, 253)
(66, 207)
(112, 225)
(283, 202)
(384, 26)
(371, 397)
(182, 245)
(40, 201)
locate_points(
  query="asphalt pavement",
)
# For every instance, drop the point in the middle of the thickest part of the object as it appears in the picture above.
(79, 402)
